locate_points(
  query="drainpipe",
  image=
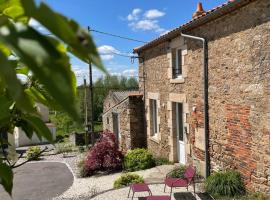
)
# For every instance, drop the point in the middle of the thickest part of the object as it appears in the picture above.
(205, 95)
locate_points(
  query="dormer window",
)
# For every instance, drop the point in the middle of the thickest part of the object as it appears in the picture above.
(177, 63)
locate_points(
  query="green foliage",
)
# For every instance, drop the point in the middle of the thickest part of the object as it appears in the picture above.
(101, 89)
(178, 172)
(162, 161)
(138, 159)
(82, 168)
(65, 124)
(44, 61)
(6, 177)
(33, 153)
(64, 147)
(127, 179)
(227, 183)
(248, 196)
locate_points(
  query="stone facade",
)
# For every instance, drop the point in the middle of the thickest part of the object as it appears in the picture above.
(239, 94)
(129, 109)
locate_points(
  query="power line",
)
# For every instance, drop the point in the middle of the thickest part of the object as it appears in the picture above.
(118, 36)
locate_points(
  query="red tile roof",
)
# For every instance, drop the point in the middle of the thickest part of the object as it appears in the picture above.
(208, 16)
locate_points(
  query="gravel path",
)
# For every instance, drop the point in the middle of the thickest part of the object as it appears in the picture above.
(157, 189)
(84, 188)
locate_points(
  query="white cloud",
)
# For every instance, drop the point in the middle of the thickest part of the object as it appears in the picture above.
(146, 25)
(164, 32)
(130, 72)
(107, 52)
(80, 71)
(107, 57)
(134, 15)
(153, 13)
(145, 22)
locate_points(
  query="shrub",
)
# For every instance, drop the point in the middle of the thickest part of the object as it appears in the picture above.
(64, 147)
(104, 155)
(82, 168)
(178, 172)
(138, 159)
(127, 179)
(162, 161)
(33, 153)
(226, 183)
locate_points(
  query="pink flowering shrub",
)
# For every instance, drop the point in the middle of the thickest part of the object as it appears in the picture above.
(104, 156)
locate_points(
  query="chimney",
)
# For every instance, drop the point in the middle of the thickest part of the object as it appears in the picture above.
(199, 11)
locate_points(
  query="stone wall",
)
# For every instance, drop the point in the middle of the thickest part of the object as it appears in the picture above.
(130, 114)
(239, 93)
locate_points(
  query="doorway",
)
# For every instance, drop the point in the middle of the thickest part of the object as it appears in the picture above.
(116, 130)
(179, 130)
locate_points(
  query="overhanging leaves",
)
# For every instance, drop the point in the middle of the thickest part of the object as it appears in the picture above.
(77, 39)
(49, 65)
(5, 115)
(6, 177)
(39, 127)
(13, 10)
(15, 89)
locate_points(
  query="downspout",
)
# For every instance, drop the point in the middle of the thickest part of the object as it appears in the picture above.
(205, 94)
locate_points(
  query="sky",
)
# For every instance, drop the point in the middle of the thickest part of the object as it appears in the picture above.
(143, 20)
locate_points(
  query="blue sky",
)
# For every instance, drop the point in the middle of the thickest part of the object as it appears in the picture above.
(141, 19)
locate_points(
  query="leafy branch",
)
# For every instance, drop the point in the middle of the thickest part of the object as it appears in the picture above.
(47, 60)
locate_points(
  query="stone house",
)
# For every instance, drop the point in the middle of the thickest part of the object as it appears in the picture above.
(210, 106)
(123, 115)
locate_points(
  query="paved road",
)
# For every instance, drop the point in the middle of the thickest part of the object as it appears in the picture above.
(39, 181)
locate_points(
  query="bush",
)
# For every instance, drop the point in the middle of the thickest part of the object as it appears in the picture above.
(33, 153)
(178, 172)
(104, 155)
(127, 179)
(82, 168)
(228, 184)
(162, 161)
(138, 159)
(64, 147)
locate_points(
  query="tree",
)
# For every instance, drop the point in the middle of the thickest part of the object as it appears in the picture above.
(47, 58)
(101, 88)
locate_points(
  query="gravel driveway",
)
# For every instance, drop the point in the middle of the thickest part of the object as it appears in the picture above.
(39, 180)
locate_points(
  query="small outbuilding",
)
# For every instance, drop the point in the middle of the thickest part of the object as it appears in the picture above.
(123, 115)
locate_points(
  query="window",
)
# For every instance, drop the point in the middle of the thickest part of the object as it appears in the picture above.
(108, 121)
(177, 63)
(153, 112)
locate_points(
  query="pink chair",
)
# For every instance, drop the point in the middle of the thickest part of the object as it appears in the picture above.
(139, 187)
(162, 197)
(180, 182)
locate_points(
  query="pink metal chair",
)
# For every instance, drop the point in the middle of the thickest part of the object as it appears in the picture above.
(180, 182)
(139, 187)
(161, 197)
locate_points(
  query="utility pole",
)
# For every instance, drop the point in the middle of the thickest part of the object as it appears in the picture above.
(91, 98)
(85, 112)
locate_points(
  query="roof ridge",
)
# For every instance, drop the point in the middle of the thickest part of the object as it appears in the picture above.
(234, 4)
